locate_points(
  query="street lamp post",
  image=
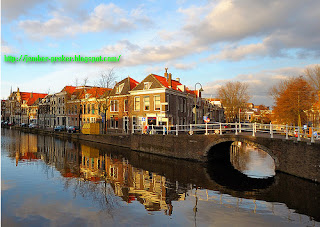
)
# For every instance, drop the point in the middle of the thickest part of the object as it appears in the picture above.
(195, 101)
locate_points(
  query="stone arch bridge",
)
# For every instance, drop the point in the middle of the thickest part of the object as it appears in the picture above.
(301, 159)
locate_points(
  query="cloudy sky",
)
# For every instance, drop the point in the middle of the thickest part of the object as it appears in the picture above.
(211, 42)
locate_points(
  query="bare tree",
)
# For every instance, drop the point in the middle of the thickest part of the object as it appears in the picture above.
(85, 81)
(234, 96)
(107, 78)
(76, 81)
(313, 76)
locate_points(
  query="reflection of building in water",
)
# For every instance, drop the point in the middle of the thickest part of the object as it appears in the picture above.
(239, 155)
(63, 155)
(27, 148)
(127, 181)
(251, 160)
(130, 183)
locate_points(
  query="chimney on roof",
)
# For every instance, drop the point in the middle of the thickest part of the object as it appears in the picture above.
(170, 80)
(178, 79)
(166, 73)
(31, 95)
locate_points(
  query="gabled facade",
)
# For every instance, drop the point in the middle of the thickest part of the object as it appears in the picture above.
(121, 106)
(217, 111)
(92, 101)
(23, 106)
(44, 112)
(4, 111)
(59, 105)
(161, 100)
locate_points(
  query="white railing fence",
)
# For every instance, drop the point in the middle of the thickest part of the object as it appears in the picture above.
(271, 130)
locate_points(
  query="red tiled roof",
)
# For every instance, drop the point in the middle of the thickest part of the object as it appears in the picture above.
(30, 100)
(94, 92)
(133, 83)
(69, 89)
(174, 84)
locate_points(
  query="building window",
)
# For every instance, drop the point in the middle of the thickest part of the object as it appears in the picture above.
(146, 102)
(181, 104)
(126, 105)
(137, 103)
(114, 122)
(157, 103)
(92, 120)
(114, 106)
(119, 88)
(92, 108)
(134, 120)
(147, 85)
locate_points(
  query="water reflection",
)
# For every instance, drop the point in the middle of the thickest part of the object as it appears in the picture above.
(127, 182)
(251, 160)
(110, 177)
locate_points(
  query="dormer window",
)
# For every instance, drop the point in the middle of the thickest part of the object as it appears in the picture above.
(87, 96)
(119, 88)
(147, 85)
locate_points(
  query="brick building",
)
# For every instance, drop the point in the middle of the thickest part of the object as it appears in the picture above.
(22, 107)
(121, 106)
(160, 100)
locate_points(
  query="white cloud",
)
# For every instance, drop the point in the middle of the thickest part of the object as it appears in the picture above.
(7, 49)
(132, 54)
(283, 25)
(12, 9)
(104, 17)
(259, 83)
(184, 66)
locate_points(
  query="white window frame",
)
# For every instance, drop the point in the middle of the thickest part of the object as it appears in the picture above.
(144, 103)
(113, 105)
(135, 107)
(154, 102)
(146, 85)
(119, 88)
(124, 105)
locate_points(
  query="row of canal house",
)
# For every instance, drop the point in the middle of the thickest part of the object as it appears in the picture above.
(157, 100)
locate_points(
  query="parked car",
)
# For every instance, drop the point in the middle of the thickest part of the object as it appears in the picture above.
(60, 128)
(24, 125)
(73, 129)
(33, 125)
(10, 124)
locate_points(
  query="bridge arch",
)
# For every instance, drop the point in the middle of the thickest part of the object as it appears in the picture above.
(216, 141)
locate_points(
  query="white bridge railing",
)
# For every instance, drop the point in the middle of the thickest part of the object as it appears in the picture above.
(271, 130)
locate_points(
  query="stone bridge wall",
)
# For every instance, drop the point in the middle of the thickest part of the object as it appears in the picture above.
(300, 159)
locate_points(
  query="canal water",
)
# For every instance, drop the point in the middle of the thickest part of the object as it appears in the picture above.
(47, 181)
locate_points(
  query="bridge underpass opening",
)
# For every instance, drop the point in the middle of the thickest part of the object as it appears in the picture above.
(251, 161)
(240, 166)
